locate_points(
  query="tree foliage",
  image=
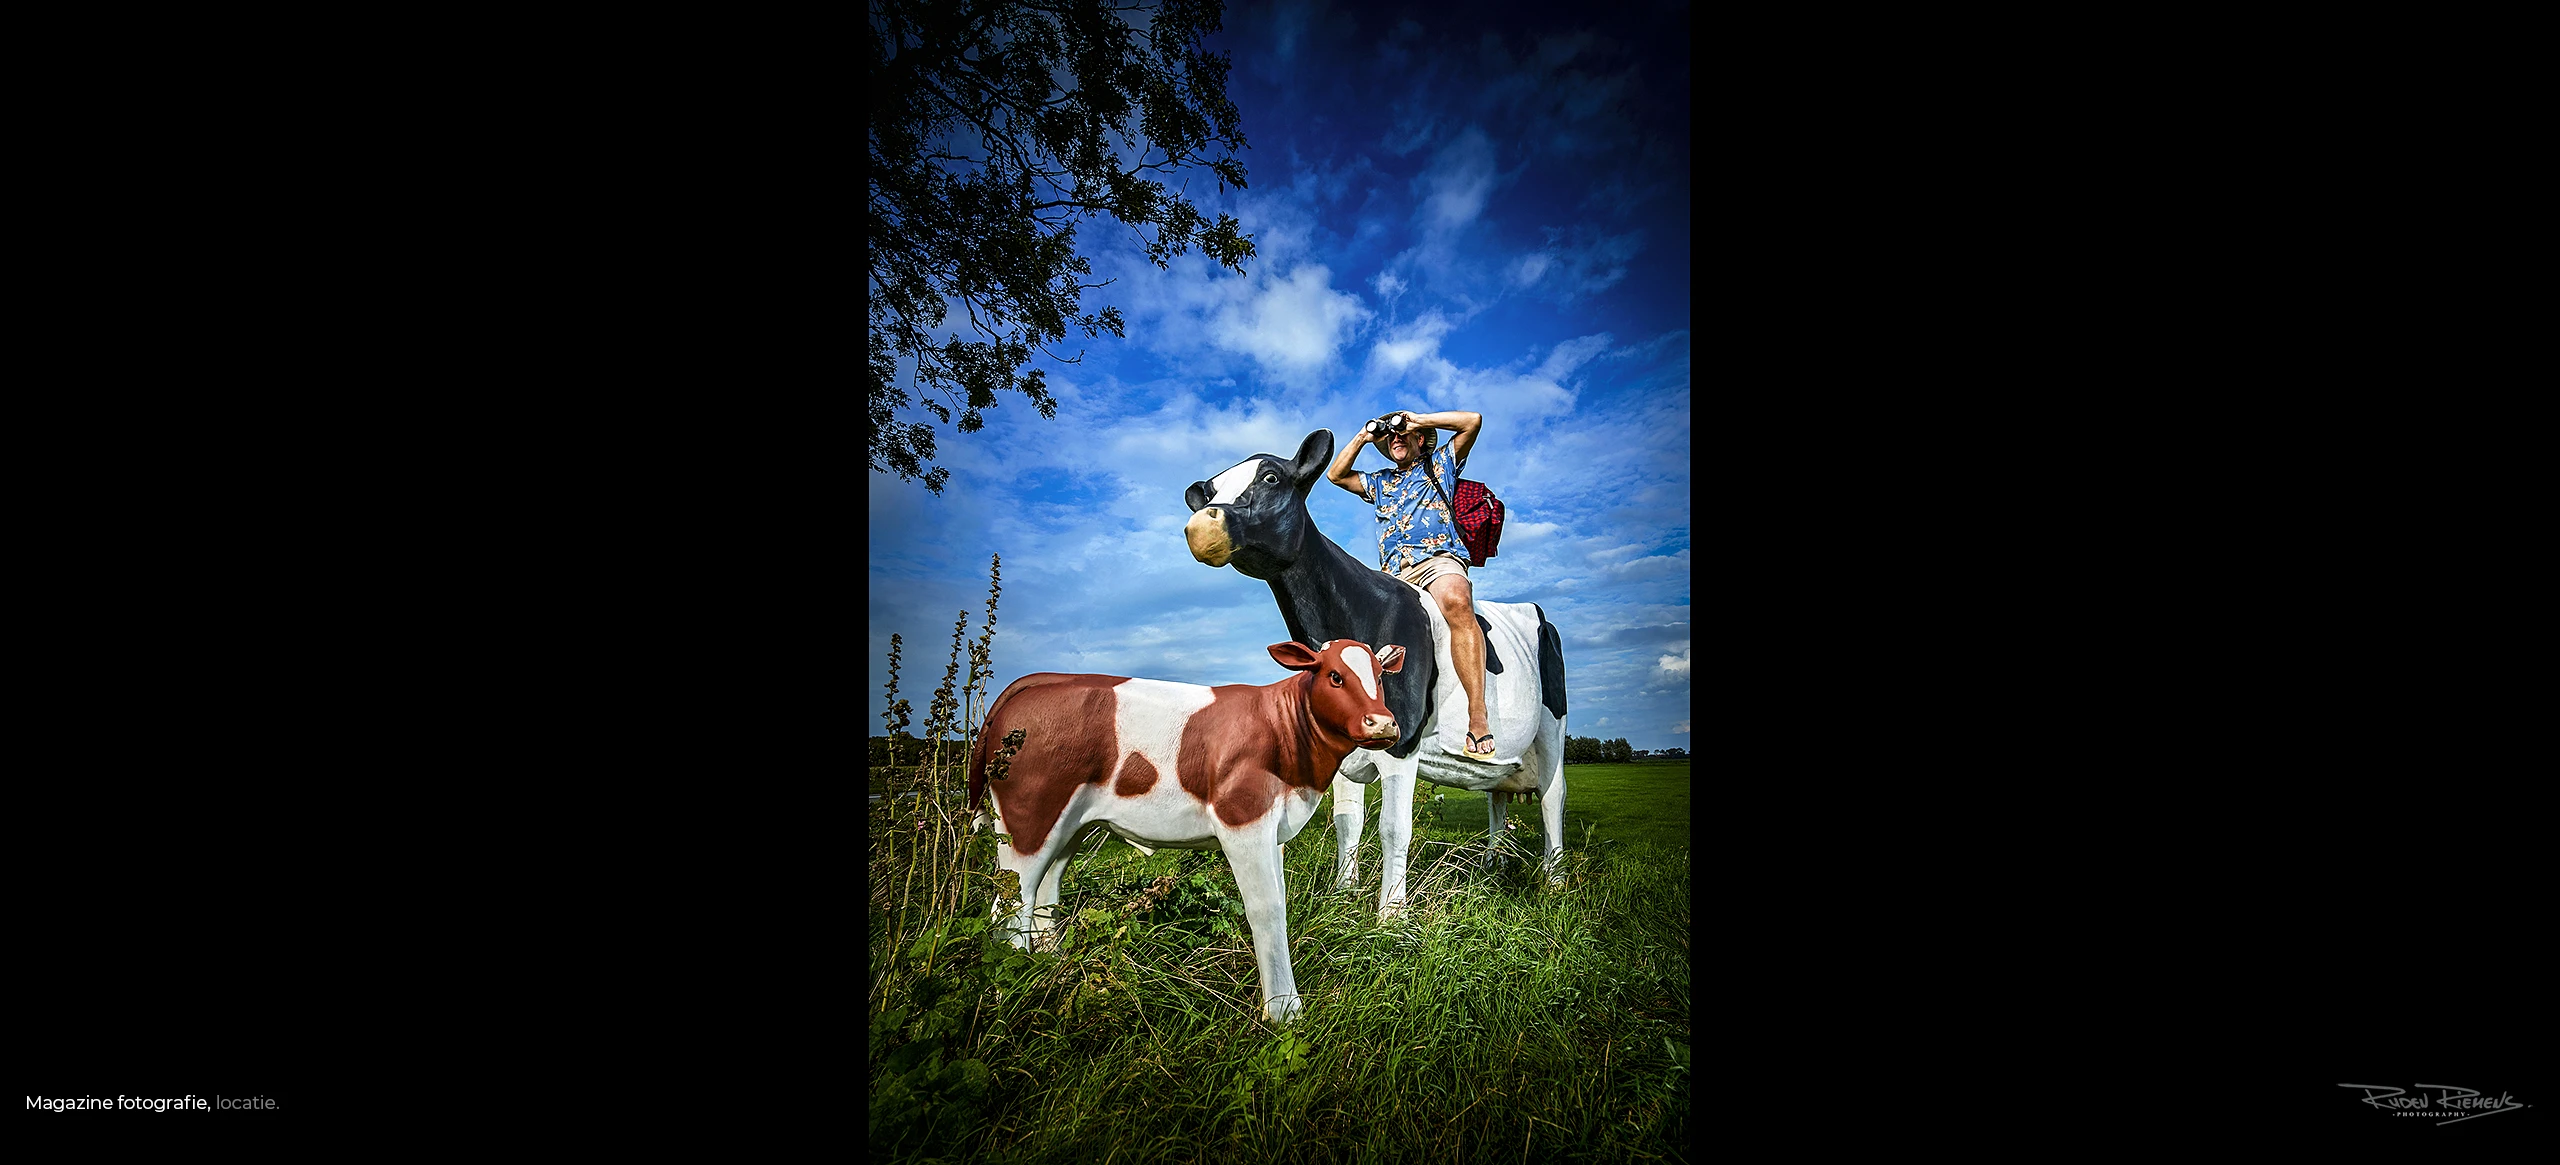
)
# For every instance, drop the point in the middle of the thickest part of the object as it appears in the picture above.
(996, 127)
(1584, 750)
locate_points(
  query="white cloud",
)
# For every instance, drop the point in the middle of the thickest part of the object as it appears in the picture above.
(1518, 534)
(1402, 346)
(1680, 729)
(1458, 182)
(1413, 356)
(1578, 262)
(1292, 327)
(1573, 354)
(1412, 131)
(1531, 268)
(1676, 666)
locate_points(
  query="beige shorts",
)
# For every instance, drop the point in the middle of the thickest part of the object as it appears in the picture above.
(1431, 570)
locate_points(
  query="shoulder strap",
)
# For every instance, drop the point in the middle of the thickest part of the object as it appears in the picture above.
(1434, 472)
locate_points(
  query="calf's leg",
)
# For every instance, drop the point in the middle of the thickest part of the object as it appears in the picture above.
(1045, 920)
(1029, 870)
(1254, 853)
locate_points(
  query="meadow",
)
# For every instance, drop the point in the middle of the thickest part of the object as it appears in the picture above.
(1496, 1018)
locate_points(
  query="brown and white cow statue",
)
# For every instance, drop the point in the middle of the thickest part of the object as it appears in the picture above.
(1183, 766)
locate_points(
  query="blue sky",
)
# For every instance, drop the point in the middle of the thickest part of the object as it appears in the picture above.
(1454, 209)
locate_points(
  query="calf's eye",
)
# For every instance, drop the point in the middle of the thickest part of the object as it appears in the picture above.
(1337, 678)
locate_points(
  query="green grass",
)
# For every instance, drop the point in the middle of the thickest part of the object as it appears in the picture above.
(1641, 802)
(1497, 1019)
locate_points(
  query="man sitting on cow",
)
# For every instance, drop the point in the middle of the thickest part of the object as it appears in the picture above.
(1418, 536)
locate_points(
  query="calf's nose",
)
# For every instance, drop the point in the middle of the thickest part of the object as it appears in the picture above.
(1375, 727)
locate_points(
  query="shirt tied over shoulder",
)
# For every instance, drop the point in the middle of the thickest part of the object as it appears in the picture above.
(1413, 518)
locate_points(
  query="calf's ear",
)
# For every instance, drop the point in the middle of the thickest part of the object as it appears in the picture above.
(1294, 655)
(1197, 496)
(1391, 658)
(1313, 455)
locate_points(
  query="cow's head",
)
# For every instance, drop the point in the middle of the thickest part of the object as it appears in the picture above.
(1254, 515)
(1347, 687)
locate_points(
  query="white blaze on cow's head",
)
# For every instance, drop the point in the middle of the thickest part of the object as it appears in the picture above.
(1345, 690)
(1254, 513)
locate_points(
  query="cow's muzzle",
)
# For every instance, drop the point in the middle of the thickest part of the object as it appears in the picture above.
(1207, 534)
(1377, 731)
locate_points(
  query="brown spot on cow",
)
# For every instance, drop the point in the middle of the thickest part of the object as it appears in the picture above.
(1247, 796)
(1070, 738)
(1239, 752)
(1137, 775)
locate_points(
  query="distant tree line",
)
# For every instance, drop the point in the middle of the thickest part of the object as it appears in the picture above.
(1583, 750)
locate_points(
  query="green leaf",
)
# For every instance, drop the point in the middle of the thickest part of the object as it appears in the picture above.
(922, 1055)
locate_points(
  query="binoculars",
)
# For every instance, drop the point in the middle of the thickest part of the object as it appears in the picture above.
(1386, 425)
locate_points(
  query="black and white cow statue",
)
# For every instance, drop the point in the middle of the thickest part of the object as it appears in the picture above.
(1254, 517)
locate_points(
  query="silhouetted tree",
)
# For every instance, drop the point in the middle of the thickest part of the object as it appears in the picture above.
(982, 165)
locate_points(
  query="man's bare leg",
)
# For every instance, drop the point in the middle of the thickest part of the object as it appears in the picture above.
(1466, 651)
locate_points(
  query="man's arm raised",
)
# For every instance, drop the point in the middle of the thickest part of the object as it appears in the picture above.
(1340, 473)
(1467, 426)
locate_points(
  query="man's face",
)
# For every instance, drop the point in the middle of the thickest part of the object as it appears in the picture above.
(1403, 447)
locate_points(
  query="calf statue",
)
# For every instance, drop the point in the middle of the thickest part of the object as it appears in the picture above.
(1180, 765)
(1254, 517)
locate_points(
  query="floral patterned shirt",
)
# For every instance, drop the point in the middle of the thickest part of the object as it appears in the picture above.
(1413, 518)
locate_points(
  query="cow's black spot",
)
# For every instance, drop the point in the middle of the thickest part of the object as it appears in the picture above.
(1550, 664)
(1492, 661)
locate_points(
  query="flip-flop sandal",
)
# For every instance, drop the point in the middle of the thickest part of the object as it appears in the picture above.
(1471, 753)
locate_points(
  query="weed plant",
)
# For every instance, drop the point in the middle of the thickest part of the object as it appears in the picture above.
(1497, 1018)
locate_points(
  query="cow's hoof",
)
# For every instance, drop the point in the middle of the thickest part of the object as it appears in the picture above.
(1285, 1009)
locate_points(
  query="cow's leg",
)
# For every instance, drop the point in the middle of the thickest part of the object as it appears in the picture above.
(1395, 831)
(1497, 811)
(1350, 813)
(1254, 853)
(1551, 794)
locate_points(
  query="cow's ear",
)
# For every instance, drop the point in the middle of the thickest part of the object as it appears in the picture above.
(1313, 455)
(1197, 496)
(1391, 658)
(1294, 655)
